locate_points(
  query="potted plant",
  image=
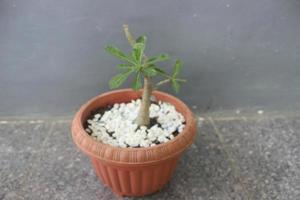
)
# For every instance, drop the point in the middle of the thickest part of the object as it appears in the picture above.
(134, 137)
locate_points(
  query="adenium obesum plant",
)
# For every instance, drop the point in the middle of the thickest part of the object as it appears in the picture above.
(142, 67)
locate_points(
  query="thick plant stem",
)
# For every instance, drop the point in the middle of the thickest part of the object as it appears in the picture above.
(143, 118)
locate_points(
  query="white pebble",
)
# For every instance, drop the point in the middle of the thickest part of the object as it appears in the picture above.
(260, 112)
(161, 138)
(97, 116)
(201, 119)
(120, 121)
(88, 130)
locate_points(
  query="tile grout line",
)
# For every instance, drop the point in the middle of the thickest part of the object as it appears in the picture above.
(8, 120)
(214, 116)
(232, 162)
(31, 121)
(230, 117)
(244, 118)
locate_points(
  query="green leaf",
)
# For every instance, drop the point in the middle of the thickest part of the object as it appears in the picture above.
(118, 53)
(160, 71)
(142, 39)
(138, 52)
(119, 79)
(137, 83)
(159, 58)
(177, 68)
(125, 66)
(175, 85)
(150, 71)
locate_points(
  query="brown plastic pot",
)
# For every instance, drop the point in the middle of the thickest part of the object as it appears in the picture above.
(133, 171)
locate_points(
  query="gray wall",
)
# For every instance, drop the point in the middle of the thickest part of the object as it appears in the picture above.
(237, 53)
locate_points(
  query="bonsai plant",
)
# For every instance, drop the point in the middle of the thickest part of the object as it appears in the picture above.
(142, 67)
(134, 137)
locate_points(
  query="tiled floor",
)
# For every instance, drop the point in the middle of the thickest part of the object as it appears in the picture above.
(232, 158)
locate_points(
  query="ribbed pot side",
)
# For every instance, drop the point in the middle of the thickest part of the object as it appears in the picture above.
(133, 171)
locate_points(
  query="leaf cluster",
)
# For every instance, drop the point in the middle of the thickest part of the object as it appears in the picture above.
(140, 66)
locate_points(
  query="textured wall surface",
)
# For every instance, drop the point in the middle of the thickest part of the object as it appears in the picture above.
(237, 53)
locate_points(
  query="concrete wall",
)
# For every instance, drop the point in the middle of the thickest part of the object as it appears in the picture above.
(236, 53)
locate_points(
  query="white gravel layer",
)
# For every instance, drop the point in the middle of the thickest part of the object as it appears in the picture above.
(117, 126)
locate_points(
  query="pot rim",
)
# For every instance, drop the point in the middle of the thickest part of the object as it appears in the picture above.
(118, 155)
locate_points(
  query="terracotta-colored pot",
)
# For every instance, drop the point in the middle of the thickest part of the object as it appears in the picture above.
(133, 171)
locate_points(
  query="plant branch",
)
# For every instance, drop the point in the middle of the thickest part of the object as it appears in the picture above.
(143, 118)
(128, 35)
(169, 79)
(131, 39)
(162, 82)
(181, 80)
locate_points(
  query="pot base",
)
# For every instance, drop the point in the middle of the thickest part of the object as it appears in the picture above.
(133, 180)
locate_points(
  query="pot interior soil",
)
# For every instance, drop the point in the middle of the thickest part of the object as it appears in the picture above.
(153, 122)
